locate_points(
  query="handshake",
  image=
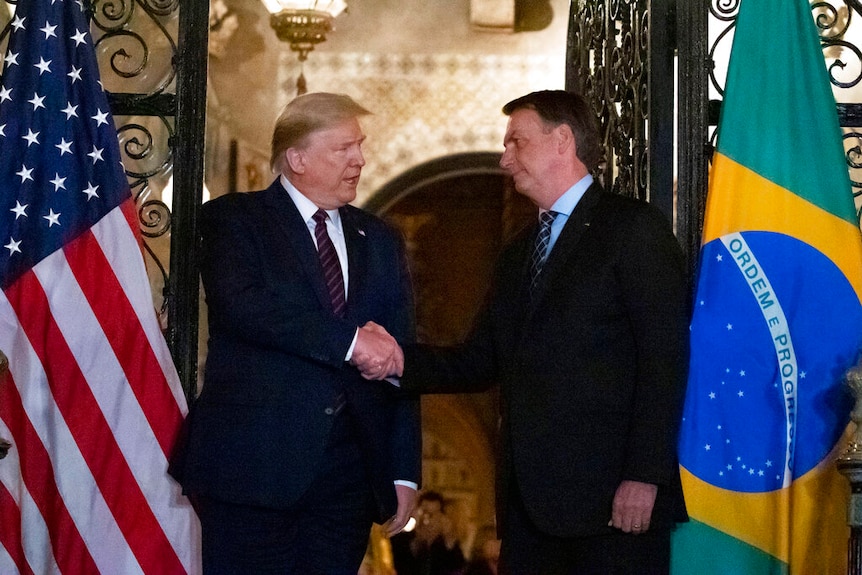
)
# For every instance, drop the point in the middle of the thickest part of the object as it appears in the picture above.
(376, 354)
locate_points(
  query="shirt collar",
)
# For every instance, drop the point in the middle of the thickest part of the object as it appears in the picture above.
(306, 207)
(566, 203)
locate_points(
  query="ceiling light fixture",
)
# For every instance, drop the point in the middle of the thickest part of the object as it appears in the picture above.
(303, 24)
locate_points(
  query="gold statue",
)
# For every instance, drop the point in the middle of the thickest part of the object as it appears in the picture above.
(850, 461)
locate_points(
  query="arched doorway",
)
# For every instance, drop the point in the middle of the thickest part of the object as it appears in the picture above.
(456, 213)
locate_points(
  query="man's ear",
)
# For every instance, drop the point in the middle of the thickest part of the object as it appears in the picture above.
(295, 159)
(565, 138)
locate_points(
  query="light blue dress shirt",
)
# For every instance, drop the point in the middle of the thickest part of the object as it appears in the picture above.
(564, 206)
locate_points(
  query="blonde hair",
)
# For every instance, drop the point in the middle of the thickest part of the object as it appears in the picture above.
(305, 115)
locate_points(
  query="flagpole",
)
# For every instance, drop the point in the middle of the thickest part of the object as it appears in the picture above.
(850, 466)
(4, 367)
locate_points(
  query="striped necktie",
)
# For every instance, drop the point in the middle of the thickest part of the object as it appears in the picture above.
(330, 263)
(540, 250)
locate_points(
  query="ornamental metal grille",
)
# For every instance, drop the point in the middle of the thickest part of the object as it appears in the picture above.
(840, 27)
(653, 68)
(136, 47)
(620, 57)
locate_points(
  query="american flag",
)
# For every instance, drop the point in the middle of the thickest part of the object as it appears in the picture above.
(91, 401)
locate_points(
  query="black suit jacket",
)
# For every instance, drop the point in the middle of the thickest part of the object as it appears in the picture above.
(275, 367)
(591, 370)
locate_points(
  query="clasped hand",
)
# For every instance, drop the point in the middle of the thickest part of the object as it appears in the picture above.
(376, 354)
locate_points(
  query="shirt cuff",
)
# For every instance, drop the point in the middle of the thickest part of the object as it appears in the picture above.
(410, 484)
(352, 345)
(393, 381)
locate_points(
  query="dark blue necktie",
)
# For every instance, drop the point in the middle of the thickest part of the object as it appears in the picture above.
(330, 263)
(540, 251)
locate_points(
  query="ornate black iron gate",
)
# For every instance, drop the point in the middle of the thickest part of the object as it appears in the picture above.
(621, 56)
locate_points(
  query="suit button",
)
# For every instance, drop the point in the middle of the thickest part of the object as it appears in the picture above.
(328, 411)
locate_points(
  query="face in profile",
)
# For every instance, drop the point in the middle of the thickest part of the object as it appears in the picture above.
(530, 153)
(330, 164)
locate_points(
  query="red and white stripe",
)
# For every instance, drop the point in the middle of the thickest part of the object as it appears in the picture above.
(92, 405)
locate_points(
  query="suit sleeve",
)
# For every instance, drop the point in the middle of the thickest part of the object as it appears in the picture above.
(406, 445)
(654, 287)
(466, 368)
(473, 365)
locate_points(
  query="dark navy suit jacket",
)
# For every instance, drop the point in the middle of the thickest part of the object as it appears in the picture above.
(591, 368)
(275, 368)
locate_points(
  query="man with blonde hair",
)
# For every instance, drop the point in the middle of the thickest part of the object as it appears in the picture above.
(291, 455)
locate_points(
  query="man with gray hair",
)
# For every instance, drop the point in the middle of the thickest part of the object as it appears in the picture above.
(291, 455)
(585, 330)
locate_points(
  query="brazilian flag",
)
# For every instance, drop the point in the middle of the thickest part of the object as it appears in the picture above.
(777, 318)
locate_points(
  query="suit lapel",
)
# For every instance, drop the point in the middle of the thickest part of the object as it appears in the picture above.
(282, 213)
(357, 255)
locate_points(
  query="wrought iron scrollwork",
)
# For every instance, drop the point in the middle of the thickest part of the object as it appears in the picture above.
(843, 62)
(162, 7)
(155, 217)
(113, 14)
(608, 45)
(136, 46)
(725, 10)
(129, 31)
(146, 158)
(853, 153)
(832, 25)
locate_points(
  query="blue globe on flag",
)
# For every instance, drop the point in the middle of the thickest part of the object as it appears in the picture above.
(768, 312)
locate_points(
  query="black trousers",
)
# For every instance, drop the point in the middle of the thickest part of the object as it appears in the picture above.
(325, 533)
(527, 551)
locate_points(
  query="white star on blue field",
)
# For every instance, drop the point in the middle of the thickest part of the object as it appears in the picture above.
(61, 165)
(755, 380)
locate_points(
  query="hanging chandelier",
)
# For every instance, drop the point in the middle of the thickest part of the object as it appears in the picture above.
(303, 24)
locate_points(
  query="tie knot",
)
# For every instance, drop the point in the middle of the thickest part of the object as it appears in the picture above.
(319, 216)
(547, 218)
